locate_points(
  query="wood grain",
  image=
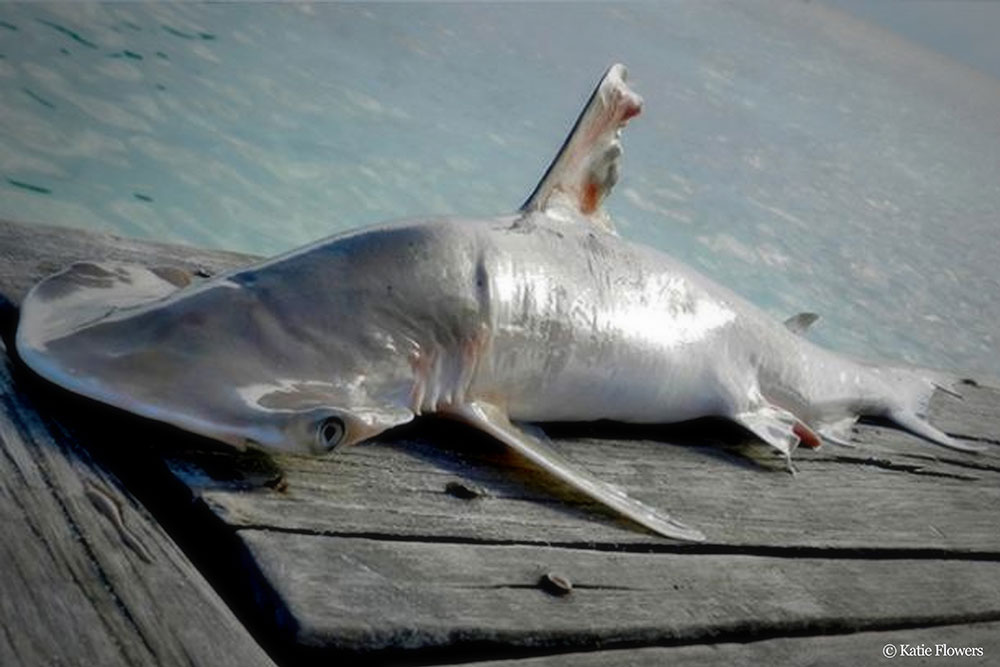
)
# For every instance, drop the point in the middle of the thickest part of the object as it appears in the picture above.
(88, 576)
(362, 594)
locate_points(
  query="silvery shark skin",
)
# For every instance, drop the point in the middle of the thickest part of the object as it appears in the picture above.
(543, 315)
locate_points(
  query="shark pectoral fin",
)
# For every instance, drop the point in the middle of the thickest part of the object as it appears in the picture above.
(494, 421)
(587, 166)
(775, 426)
(918, 426)
(801, 322)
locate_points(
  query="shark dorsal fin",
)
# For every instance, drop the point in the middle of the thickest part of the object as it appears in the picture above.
(801, 322)
(586, 168)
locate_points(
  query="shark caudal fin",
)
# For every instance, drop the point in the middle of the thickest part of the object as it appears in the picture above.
(918, 425)
(912, 389)
(587, 166)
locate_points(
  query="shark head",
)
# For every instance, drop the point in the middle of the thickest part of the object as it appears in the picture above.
(126, 335)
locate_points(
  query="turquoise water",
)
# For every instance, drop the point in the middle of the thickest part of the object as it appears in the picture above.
(795, 154)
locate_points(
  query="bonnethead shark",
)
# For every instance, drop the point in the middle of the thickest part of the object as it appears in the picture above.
(543, 315)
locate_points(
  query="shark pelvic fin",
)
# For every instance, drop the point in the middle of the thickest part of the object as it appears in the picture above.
(586, 167)
(494, 421)
(777, 427)
(801, 322)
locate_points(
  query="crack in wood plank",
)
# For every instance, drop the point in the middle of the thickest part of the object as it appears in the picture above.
(886, 464)
(109, 506)
(719, 549)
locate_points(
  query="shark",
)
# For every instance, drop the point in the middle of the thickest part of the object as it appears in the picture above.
(543, 315)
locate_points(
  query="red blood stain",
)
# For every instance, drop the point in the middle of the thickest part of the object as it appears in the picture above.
(590, 197)
(806, 435)
(631, 110)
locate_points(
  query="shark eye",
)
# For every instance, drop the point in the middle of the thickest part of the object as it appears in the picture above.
(330, 433)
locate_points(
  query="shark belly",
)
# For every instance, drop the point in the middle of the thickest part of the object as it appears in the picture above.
(567, 343)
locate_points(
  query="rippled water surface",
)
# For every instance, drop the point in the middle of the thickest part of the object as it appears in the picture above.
(797, 155)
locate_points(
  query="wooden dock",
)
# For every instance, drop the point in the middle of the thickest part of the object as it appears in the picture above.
(129, 543)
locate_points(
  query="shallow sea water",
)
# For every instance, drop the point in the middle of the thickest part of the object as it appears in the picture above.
(799, 156)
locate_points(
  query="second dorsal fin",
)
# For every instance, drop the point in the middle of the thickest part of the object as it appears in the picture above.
(587, 166)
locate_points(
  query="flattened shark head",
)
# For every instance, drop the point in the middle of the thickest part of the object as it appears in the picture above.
(126, 335)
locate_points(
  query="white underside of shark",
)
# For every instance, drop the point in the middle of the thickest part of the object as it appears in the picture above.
(542, 315)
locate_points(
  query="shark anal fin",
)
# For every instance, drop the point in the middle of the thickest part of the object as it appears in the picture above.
(494, 421)
(586, 168)
(775, 426)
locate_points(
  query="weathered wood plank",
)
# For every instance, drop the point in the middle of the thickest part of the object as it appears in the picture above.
(374, 594)
(863, 648)
(876, 496)
(341, 543)
(88, 577)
